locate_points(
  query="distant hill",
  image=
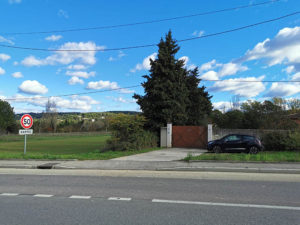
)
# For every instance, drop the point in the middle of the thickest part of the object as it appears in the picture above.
(39, 115)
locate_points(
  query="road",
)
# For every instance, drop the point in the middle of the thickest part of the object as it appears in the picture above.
(44, 197)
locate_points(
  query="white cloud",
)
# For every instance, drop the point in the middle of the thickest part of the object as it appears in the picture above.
(75, 102)
(210, 75)
(2, 71)
(67, 57)
(185, 59)
(289, 69)
(122, 100)
(63, 13)
(17, 75)
(222, 106)
(208, 66)
(238, 87)
(283, 89)
(145, 65)
(4, 57)
(3, 39)
(75, 80)
(296, 76)
(283, 48)
(126, 91)
(225, 69)
(121, 54)
(32, 61)
(198, 33)
(231, 69)
(82, 74)
(53, 38)
(14, 1)
(33, 87)
(98, 85)
(76, 67)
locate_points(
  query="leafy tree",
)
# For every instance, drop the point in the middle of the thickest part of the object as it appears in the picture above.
(7, 117)
(171, 91)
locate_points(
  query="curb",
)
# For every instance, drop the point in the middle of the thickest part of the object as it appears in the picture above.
(233, 170)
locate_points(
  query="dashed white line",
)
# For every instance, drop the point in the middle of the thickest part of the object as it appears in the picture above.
(80, 197)
(9, 194)
(227, 204)
(43, 196)
(119, 199)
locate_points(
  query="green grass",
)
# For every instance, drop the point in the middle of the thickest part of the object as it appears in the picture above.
(60, 147)
(285, 156)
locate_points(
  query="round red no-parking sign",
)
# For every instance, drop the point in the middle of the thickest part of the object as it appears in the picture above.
(26, 121)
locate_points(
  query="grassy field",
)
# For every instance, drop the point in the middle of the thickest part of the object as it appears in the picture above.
(242, 157)
(59, 147)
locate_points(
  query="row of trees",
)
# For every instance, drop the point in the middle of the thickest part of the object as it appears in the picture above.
(270, 114)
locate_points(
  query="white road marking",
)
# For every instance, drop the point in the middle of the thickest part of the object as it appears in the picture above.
(42, 196)
(119, 199)
(9, 194)
(227, 204)
(80, 197)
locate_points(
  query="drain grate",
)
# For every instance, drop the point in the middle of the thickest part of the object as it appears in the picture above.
(46, 166)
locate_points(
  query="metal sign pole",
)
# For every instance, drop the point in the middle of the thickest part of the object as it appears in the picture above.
(25, 139)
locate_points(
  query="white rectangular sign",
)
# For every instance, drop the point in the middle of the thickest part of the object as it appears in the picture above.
(26, 131)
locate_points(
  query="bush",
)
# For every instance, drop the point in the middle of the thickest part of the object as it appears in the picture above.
(128, 133)
(281, 141)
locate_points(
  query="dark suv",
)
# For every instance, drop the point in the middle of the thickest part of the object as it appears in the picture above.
(235, 142)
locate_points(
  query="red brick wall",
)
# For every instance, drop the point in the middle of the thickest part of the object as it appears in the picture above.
(189, 136)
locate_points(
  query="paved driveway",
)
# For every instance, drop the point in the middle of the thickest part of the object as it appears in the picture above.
(169, 154)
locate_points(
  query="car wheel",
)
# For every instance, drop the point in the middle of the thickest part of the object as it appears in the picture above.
(253, 150)
(217, 149)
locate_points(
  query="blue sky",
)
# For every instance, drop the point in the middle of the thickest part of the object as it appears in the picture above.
(267, 52)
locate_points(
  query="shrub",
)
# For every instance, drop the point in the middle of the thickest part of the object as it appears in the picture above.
(128, 133)
(281, 141)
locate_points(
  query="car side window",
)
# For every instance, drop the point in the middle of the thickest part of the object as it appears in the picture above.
(233, 138)
(248, 138)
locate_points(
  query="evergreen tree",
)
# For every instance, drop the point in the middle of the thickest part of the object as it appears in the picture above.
(7, 118)
(199, 105)
(171, 91)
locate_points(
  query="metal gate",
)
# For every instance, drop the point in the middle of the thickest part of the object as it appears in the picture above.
(189, 136)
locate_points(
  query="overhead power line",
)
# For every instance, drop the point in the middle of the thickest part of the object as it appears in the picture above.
(139, 85)
(143, 22)
(151, 45)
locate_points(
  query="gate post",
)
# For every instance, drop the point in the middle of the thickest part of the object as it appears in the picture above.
(169, 135)
(209, 132)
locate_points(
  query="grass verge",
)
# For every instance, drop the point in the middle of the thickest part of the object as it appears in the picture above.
(96, 155)
(284, 156)
(88, 147)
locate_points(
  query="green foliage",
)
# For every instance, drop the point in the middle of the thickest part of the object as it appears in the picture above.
(7, 120)
(128, 133)
(256, 115)
(281, 141)
(171, 91)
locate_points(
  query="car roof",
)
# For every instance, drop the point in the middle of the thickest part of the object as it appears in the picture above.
(241, 135)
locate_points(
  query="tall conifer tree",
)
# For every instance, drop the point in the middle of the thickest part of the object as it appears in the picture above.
(167, 89)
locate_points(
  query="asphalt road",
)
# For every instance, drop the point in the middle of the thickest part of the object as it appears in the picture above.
(53, 199)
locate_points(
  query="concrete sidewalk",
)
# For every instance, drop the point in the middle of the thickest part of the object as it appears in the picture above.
(288, 168)
(163, 155)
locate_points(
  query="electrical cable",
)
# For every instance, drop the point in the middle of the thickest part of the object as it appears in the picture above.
(143, 22)
(151, 45)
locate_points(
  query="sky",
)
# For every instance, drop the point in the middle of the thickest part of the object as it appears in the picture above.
(266, 52)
